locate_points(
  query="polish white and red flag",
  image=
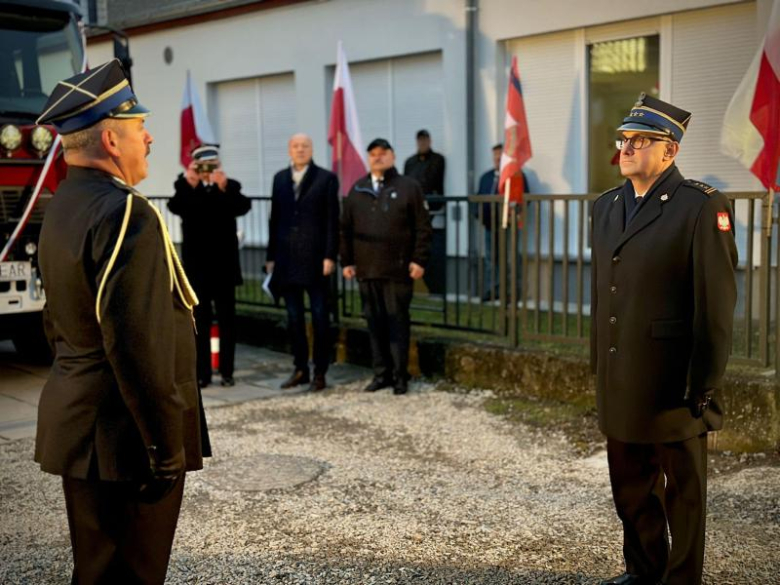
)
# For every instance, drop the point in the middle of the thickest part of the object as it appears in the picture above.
(344, 132)
(517, 142)
(195, 126)
(751, 127)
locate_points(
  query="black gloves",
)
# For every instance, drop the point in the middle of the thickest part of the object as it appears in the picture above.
(699, 403)
(165, 473)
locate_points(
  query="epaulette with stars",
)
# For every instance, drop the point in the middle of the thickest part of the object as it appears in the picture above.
(703, 187)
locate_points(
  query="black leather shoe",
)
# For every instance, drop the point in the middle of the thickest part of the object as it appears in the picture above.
(628, 579)
(228, 381)
(318, 383)
(203, 383)
(377, 384)
(400, 388)
(298, 377)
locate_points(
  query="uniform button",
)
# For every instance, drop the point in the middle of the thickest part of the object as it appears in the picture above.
(612, 320)
(613, 289)
(615, 259)
(613, 350)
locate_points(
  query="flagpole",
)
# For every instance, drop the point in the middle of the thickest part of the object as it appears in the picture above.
(339, 163)
(505, 218)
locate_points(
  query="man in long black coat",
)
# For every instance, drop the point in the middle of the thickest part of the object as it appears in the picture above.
(385, 244)
(303, 238)
(120, 417)
(427, 167)
(663, 297)
(208, 203)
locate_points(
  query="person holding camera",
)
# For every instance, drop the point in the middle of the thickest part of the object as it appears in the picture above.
(208, 204)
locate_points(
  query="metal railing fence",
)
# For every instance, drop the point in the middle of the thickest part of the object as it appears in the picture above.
(531, 281)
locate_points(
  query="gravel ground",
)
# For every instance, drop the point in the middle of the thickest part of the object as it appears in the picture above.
(423, 488)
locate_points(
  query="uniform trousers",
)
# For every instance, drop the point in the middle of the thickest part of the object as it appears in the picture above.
(658, 487)
(386, 309)
(224, 299)
(320, 320)
(116, 539)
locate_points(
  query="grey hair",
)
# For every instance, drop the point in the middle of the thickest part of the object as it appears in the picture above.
(88, 141)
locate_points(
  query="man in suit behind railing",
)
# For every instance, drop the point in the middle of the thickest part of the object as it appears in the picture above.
(303, 243)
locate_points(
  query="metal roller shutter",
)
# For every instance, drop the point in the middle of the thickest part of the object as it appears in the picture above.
(396, 98)
(712, 50)
(255, 119)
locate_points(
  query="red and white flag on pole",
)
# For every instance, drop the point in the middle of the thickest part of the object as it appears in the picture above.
(751, 128)
(195, 126)
(517, 143)
(344, 132)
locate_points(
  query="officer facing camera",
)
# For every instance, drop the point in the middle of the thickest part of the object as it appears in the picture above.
(208, 204)
(663, 296)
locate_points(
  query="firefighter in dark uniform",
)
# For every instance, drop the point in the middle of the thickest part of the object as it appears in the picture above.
(120, 417)
(663, 297)
(385, 243)
(208, 204)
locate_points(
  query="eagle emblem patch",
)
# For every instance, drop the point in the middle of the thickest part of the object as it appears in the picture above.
(724, 224)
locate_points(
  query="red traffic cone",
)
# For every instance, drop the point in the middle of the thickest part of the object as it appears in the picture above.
(214, 346)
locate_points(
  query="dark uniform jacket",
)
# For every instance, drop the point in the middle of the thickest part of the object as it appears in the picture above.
(663, 297)
(382, 233)
(208, 222)
(303, 232)
(123, 378)
(428, 169)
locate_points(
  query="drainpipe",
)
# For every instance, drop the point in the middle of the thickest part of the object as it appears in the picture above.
(471, 32)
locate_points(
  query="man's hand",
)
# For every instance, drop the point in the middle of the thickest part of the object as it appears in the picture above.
(416, 271)
(156, 488)
(349, 272)
(269, 267)
(192, 175)
(164, 474)
(328, 266)
(698, 404)
(220, 178)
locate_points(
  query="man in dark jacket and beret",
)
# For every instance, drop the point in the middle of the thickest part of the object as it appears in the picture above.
(120, 417)
(303, 236)
(385, 244)
(208, 203)
(663, 297)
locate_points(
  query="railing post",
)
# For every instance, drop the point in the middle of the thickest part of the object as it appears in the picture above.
(513, 340)
(502, 313)
(764, 279)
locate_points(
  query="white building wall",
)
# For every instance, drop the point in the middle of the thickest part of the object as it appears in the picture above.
(300, 39)
(706, 45)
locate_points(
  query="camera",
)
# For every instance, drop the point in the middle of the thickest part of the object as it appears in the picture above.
(206, 167)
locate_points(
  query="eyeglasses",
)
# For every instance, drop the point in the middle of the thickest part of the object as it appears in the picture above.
(638, 142)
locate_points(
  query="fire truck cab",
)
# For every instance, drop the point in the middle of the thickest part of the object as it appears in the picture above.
(40, 44)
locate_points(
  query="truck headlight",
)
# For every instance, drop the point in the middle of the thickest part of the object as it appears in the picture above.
(10, 137)
(41, 139)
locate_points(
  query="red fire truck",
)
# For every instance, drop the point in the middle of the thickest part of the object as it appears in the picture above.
(41, 42)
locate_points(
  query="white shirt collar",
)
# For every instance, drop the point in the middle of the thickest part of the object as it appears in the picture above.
(298, 175)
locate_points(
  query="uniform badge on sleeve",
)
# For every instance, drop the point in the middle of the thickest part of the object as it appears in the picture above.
(724, 224)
